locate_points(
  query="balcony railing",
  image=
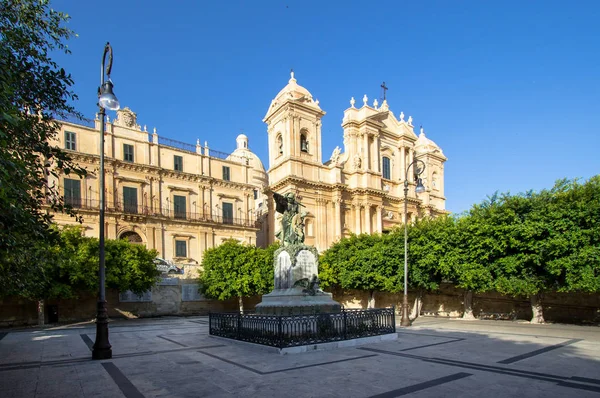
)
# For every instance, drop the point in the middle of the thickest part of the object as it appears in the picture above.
(133, 209)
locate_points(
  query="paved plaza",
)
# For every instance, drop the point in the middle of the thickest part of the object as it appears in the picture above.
(175, 357)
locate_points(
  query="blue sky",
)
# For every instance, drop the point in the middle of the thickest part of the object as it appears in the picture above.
(510, 90)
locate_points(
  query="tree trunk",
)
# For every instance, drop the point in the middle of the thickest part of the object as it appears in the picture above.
(371, 303)
(468, 304)
(241, 303)
(536, 308)
(40, 312)
(418, 305)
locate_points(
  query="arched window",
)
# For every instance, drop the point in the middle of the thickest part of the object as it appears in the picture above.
(435, 184)
(131, 237)
(303, 143)
(279, 145)
(386, 169)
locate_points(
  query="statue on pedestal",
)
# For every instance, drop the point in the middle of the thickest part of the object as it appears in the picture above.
(292, 222)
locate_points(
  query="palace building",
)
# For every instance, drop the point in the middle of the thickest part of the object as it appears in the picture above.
(177, 198)
(181, 199)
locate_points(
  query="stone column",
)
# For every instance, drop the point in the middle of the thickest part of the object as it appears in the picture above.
(357, 218)
(365, 151)
(402, 163)
(367, 218)
(379, 219)
(338, 217)
(411, 172)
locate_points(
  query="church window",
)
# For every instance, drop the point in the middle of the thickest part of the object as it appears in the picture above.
(303, 143)
(280, 144)
(387, 172)
(434, 181)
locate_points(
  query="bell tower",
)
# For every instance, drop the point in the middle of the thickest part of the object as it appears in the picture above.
(294, 126)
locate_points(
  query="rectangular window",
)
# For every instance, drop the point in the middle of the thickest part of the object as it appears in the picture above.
(130, 202)
(226, 174)
(387, 173)
(70, 141)
(128, 153)
(72, 192)
(179, 206)
(177, 163)
(227, 213)
(181, 248)
(255, 194)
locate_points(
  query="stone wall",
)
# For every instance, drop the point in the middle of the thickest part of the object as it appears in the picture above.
(448, 301)
(166, 300)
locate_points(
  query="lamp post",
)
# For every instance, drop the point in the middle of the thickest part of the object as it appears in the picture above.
(106, 100)
(405, 321)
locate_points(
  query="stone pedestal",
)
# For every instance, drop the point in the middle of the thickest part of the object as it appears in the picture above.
(295, 291)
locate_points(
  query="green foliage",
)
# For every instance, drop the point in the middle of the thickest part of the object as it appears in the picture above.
(70, 267)
(430, 242)
(368, 262)
(520, 245)
(555, 240)
(34, 91)
(233, 269)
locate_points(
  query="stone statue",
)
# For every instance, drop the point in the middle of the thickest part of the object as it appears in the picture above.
(335, 155)
(311, 286)
(357, 161)
(292, 222)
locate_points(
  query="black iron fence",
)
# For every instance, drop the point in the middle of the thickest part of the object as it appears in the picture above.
(294, 330)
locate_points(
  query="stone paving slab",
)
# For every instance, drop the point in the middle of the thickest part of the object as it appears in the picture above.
(176, 357)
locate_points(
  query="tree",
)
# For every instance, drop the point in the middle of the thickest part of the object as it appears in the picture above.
(34, 91)
(366, 262)
(233, 269)
(554, 243)
(69, 267)
(429, 241)
(472, 248)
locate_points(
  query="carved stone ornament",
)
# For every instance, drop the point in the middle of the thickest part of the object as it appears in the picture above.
(390, 215)
(335, 156)
(126, 117)
(357, 161)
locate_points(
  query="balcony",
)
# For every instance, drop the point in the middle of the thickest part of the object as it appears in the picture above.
(85, 205)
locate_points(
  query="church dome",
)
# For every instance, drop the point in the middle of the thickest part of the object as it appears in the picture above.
(293, 92)
(424, 144)
(242, 151)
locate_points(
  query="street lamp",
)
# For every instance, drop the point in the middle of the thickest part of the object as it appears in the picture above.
(405, 321)
(106, 100)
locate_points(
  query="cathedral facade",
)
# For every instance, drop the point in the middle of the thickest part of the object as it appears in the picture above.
(360, 188)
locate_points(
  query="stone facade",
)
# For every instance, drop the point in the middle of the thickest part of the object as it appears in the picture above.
(359, 189)
(177, 198)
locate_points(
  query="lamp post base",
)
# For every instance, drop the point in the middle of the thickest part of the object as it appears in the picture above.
(405, 321)
(102, 348)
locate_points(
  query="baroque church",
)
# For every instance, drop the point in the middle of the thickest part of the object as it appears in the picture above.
(360, 188)
(182, 199)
